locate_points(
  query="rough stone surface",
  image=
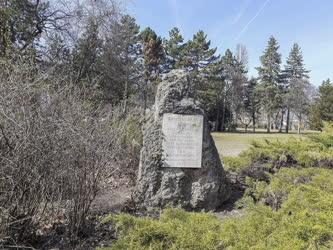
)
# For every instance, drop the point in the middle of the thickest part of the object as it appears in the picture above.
(193, 189)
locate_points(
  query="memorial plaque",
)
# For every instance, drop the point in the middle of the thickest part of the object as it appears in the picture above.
(182, 140)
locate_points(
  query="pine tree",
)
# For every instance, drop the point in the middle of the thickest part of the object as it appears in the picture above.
(22, 22)
(173, 49)
(119, 67)
(293, 73)
(300, 101)
(153, 54)
(197, 53)
(270, 77)
(295, 64)
(229, 66)
(250, 104)
(234, 75)
(326, 100)
(322, 109)
(86, 54)
(197, 56)
(212, 94)
(127, 34)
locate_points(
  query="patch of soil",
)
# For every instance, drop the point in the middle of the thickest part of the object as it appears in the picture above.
(113, 198)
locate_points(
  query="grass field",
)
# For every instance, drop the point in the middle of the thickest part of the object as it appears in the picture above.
(231, 144)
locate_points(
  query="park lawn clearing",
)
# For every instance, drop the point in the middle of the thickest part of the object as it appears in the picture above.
(232, 144)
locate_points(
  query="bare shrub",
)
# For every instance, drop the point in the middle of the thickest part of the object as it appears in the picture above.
(129, 141)
(55, 149)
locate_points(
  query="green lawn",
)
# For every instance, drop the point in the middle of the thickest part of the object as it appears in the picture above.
(231, 144)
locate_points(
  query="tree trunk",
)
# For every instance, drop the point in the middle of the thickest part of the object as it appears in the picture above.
(218, 125)
(231, 121)
(236, 120)
(268, 123)
(125, 96)
(254, 121)
(288, 117)
(299, 124)
(223, 115)
(281, 122)
(276, 126)
(145, 97)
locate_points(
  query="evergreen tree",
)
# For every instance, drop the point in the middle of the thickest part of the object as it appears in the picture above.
(326, 100)
(250, 104)
(300, 101)
(212, 94)
(293, 73)
(295, 64)
(86, 55)
(153, 54)
(197, 53)
(129, 35)
(173, 49)
(119, 64)
(270, 77)
(22, 22)
(322, 109)
(229, 68)
(234, 75)
(197, 56)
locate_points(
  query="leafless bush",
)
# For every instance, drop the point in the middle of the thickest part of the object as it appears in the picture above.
(128, 127)
(55, 149)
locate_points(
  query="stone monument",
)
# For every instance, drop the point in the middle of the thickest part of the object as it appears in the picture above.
(179, 163)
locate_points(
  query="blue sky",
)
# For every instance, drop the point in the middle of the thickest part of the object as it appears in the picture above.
(250, 22)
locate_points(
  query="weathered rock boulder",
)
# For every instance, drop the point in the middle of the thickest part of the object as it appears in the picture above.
(189, 188)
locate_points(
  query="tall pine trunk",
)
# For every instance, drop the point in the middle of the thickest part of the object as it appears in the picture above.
(299, 124)
(236, 120)
(288, 120)
(145, 90)
(254, 121)
(281, 122)
(218, 126)
(268, 123)
(223, 115)
(125, 95)
(276, 121)
(126, 87)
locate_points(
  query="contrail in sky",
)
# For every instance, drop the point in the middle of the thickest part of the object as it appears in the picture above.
(251, 20)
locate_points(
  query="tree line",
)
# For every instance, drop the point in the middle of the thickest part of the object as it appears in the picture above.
(104, 51)
(75, 80)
